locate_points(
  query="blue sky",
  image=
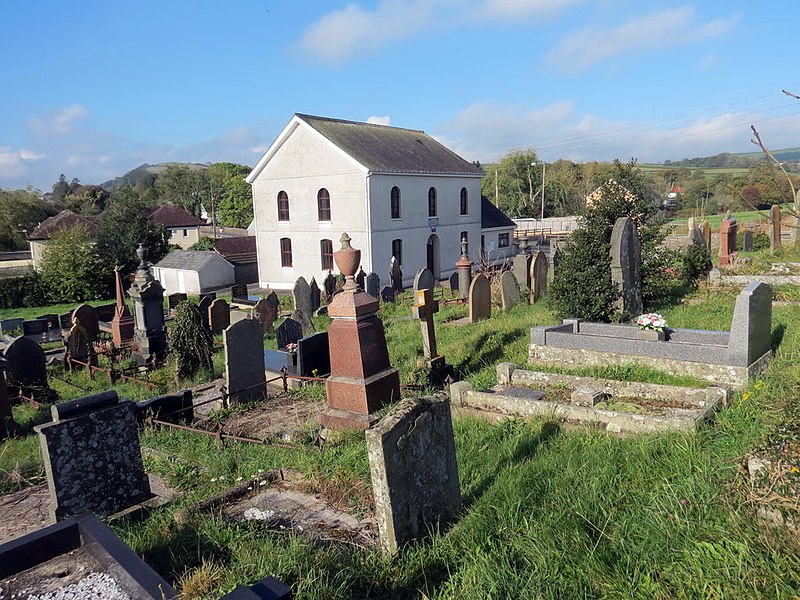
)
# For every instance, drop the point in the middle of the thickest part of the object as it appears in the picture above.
(93, 89)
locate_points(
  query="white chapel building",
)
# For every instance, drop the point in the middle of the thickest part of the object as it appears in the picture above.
(396, 192)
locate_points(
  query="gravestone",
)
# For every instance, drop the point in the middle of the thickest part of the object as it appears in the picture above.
(301, 296)
(204, 305)
(373, 283)
(26, 362)
(244, 361)
(219, 315)
(775, 227)
(52, 320)
(92, 457)
(86, 316)
(751, 326)
(387, 294)
(122, 324)
(424, 280)
(313, 355)
(237, 315)
(747, 245)
(65, 320)
(288, 332)
(361, 278)
(150, 333)
(626, 264)
(395, 276)
(265, 313)
(174, 299)
(329, 286)
(480, 299)
(315, 295)
(453, 281)
(7, 424)
(412, 463)
(210, 295)
(11, 325)
(509, 290)
(106, 312)
(424, 308)
(304, 320)
(557, 255)
(696, 236)
(727, 240)
(539, 268)
(521, 268)
(78, 345)
(35, 327)
(239, 291)
(707, 234)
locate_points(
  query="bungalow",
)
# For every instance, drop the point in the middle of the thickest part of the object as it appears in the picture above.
(183, 226)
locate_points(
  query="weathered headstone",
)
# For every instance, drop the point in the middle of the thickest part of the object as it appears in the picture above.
(747, 244)
(219, 315)
(626, 264)
(150, 334)
(424, 280)
(26, 362)
(521, 268)
(727, 240)
(122, 323)
(329, 286)
(203, 306)
(373, 284)
(480, 299)
(288, 332)
(244, 361)
(395, 276)
(453, 281)
(11, 325)
(239, 291)
(86, 316)
(313, 355)
(304, 320)
(509, 290)
(301, 296)
(707, 234)
(78, 345)
(174, 299)
(92, 458)
(361, 278)
(412, 462)
(387, 294)
(539, 268)
(751, 326)
(315, 295)
(775, 227)
(265, 313)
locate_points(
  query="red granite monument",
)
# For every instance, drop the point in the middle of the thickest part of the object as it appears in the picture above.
(727, 236)
(122, 324)
(361, 380)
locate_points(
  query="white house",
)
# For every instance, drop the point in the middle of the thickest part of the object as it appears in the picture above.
(396, 192)
(193, 271)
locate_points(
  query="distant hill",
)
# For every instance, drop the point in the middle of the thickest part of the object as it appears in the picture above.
(144, 175)
(735, 161)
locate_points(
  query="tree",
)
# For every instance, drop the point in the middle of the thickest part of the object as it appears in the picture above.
(231, 195)
(183, 185)
(517, 178)
(20, 212)
(71, 270)
(60, 189)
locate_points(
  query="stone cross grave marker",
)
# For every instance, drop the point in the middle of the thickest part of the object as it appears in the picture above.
(219, 315)
(329, 286)
(373, 283)
(395, 276)
(304, 320)
(424, 280)
(26, 362)
(727, 240)
(301, 295)
(509, 290)
(244, 361)
(747, 244)
(424, 309)
(539, 268)
(92, 457)
(775, 227)
(480, 299)
(521, 267)
(288, 332)
(387, 294)
(315, 295)
(313, 355)
(86, 316)
(626, 264)
(412, 463)
(204, 305)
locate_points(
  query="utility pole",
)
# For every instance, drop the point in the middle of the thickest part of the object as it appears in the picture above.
(496, 190)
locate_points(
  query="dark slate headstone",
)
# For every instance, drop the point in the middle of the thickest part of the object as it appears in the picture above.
(557, 255)
(453, 283)
(219, 315)
(412, 463)
(288, 332)
(171, 408)
(93, 462)
(11, 325)
(26, 362)
(387, 294)
(239, 291)
(105, 312)
(268, 588)
(748, 241)
(276, 360)
(244, 361)
(174, 299)
(52, 320)
(329, 286)
(321, 311)
(86, 316)
(209, 295)
(204, 305)
(395, 276)
(751, 329)
(313, 355)
(626, 264)
(360, 278)
(301, 295)
(65, 320)
(373, 283)
(315, 294)
(424, 280)
(35, 327)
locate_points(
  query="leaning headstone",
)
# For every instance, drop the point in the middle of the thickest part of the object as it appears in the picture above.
(26, 362)
(11, 325)
(424, 280)
(387, 294)
(86, 316)
(412, 463)
(521, 268)
(539, 268)
(775, 227)
(244, 361)
(304, 320)
(373, 284)
(395, 276)
(313, 355)
(219, 315)
(329, 286)
(78, 345)
(92, 457)
(751, 326)
(265, 313)
(480, 299)
(204, 305)
(174, 299)
(301, 295)
(727, 240)
(509, 290)
(626, 264)
(747, 244)
(453, 281)
(361, 278)
(288, 332)
(315, 294)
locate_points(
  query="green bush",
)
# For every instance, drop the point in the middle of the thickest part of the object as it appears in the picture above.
(760, 240)
(190, 341)
(204, 243)
(22, 292)
(693, 262)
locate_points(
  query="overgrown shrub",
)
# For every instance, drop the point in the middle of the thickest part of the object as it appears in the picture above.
(204, 243)
(190, 341)
(760, 240)
(694, 262)
(22, 292)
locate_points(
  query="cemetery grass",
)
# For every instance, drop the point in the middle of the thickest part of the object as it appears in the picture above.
(549, 512)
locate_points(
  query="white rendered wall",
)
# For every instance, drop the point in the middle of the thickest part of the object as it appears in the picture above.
(216, 274)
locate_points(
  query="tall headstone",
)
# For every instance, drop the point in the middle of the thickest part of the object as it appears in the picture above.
(204, 305)
(86, 316)
(747, 241)
(538, 271)
(751, 326)
(775, 227)
(361, 380)
(265, 313)
(314, 294)
(219, 315)
(301, 296)
(521, 267)
(557, 256)
(727, 240)
(395, 276)
(361, 279)
(412, 463)
(92, 457)
(244, 361)
(424, 280)
(707, 234)
(78, 345)
(480, 299)
(464, 270)
(329, 286)
(509, 290)
(373, 284)
(288, 332)
(26, 362)
(150, 335)
(122, 323)
(304, 320)
(626, 264)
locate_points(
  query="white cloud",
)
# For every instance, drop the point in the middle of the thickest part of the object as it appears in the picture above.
(30, 154)
(589, 46)
(375, 120)
(58, 122)
(516, 9)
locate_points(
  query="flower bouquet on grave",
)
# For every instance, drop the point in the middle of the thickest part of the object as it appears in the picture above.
(653, 321)
(291, 348)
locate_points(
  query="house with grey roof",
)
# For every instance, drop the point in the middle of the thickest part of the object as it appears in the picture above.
(183, 226)
(193, 271)
(396, 192)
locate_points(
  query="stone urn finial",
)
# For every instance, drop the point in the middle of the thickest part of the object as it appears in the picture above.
(347, 259)
(464, 245)
(141, 252)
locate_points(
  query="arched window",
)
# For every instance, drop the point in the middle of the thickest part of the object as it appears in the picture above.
(286, 252)
(464, 201)
(395, 202)
(324, 205)
(326, 254)
(397, 251)
(283, 206)
(432, 202)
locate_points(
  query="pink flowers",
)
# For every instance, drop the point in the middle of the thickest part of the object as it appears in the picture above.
(651, 321)
(292, 347)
